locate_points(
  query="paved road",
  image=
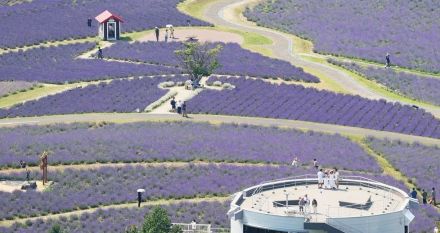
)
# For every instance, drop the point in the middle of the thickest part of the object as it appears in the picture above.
(215, 119)
(221, 13)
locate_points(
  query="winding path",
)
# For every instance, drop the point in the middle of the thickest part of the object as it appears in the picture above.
(215, 119)
(224, 13)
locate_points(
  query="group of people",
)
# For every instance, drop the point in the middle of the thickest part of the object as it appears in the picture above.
(328, 178)
(169, 33)
(179, 107)
(295, 163)
(304, 204)
(425, 199)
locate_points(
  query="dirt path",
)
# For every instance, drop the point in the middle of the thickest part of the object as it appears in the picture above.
(215, 119)
(61, 167)
(201, 34)
(8, 223)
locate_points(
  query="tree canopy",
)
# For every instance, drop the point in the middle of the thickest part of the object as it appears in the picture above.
(199, 59)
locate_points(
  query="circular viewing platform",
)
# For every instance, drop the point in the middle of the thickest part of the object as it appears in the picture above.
(358, 204)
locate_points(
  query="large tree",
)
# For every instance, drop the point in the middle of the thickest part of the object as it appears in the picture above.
(199, 59)
(157, 221)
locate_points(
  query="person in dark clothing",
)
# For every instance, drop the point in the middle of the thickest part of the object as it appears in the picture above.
(414, 193)
(89, 22)
(387, 57)
(156, 30)
(424, 197)
(173, 105)
(28, 174)
(100, 56)
(139, 199)
(184, 109)
(179, 107)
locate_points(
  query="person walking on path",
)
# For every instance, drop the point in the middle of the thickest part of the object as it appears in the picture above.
(172, 32)
(424, 196)
(179, 107)
(184, 109)
(414, 193)
(295, 162)
(315, 163)
(173, 105)
(388, 60)
(433, 199)
(139, 199)
(166, 35)
(156, 31)
(100, 56)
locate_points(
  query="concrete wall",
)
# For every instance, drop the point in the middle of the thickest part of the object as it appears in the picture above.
(390, 223)
(273, 222)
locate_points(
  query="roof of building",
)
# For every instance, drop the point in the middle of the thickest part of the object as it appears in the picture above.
(360, 198)
(106, 15)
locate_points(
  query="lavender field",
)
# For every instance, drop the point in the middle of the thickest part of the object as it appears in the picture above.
(418, 162)
(63, 66)
(408, 30)
(116, 96)
(414, 86)
(234, 60)
(40, 19)
(116, 220)
(91, 143)
(84, 188)
(257, 98)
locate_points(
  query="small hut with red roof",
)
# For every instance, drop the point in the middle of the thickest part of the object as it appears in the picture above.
(109, 25)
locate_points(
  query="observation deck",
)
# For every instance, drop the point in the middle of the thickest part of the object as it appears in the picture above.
(358, 205)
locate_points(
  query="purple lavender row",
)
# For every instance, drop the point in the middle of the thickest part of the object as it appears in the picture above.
(257, 98)
(42, 20)
(117, 220)
(234, 60)
(83, 188)
(117, 96)
(58, 64)
(418, 162)
(409, 31)
(182, 141)
(424, 88)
